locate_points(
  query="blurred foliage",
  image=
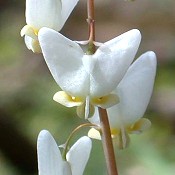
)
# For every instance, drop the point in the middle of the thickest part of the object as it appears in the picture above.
(26, 86)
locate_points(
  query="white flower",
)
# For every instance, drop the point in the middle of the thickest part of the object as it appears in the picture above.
(134, 92)
(44, 13)
(88, 79)
(50, 161)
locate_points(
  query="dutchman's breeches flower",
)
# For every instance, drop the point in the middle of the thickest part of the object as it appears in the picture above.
(88, 80)
(44, 13)
(50, 161)
(134, 92)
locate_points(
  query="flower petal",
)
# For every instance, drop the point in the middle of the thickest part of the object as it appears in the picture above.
(67, 7)
(94, 134)
(29, 31)
(64, 59)
(32, 44)
(134, 91)
(105, 101)
(95, 118)
(66, 100)
(44, 13)
(66, 168)
(122, 139)
(112, 61)
(49, 156)
(28, 41)
(78, 155)
(140, 126)
(86, 110)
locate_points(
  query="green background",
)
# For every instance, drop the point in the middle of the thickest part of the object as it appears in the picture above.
(27, 88)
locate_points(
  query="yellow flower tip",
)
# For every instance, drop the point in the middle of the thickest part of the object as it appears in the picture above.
(29, 31)
(94, 134)
(120, 137)
(114, 132)
(36, 31)
(36, 46)
(105, 101)
(67, 100)
(139, 126)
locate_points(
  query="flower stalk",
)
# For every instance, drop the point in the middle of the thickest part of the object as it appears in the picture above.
(104, 123)
(91, 22)
(107, 142)
(66, 148)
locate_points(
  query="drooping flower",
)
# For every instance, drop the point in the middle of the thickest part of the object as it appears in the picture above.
(50, 161)
(88, 80)
(134, 91)
(44, 13)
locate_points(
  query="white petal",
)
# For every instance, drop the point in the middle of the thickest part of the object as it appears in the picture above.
(78, 155)
(88, 63)
(28, 41)
(134, 91)
(87, 108)
(44, 13)
(49, 157)
(113, 60)
(67, 7)
(95, 119)
(64, 59)
(66, 168)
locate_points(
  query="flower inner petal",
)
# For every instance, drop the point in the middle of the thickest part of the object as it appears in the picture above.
(105, 101)
(29, 31)
(67, 100)
(85, 111)
(140, 126)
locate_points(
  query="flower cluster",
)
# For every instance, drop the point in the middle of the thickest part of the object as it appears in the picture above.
(106, 78)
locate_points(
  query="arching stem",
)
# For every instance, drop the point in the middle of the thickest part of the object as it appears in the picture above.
(72, 134)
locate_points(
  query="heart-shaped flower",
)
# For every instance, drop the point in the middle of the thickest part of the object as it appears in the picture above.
(44, 13)
(134, 92)
(88, 80)
(50, 161)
